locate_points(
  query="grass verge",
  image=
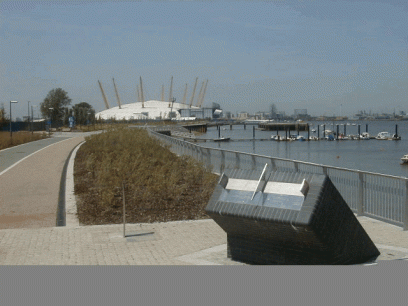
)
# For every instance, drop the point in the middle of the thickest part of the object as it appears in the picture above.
(19, 138)
(160, 186)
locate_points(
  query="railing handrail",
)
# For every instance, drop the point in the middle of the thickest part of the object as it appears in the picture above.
(380, 196)
(289, 160)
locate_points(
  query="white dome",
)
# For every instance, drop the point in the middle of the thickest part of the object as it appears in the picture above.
(152, 109)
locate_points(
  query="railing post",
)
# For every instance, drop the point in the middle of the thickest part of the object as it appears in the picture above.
(237, 161)
(202, 155)
(296, 164)
(324, 169)
(209, 157)
(360, 203)
(222, 166)
(273, 164)
(253, 162)
(405, 209)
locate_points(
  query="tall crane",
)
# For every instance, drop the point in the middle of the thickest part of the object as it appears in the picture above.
(185, 95)
(117, 94)
(200, 93)
(171, 91)
(192, 96)
(104, 96)
(141, 92)
(203, 95)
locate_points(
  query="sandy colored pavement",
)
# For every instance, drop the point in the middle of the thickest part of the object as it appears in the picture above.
(200, 242)
(29, 191)
(28, 235)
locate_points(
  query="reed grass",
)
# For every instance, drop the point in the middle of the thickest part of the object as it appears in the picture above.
(159, 185)
(19, 138)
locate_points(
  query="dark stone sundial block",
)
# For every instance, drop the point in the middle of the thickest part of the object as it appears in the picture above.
(282, 228)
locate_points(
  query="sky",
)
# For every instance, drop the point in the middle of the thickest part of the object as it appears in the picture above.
(331, 57)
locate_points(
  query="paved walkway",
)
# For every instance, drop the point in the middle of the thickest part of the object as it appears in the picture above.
(29, 191)
(200, 242)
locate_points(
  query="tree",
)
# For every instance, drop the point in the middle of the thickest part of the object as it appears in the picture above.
(83, 113)
(56, 99)
(3, 119)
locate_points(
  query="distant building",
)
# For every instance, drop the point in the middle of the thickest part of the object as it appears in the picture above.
(301, 114)
(261, 116)
(152, 109)
(243, 115)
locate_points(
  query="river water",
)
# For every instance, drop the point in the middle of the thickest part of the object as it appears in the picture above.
(379, 156)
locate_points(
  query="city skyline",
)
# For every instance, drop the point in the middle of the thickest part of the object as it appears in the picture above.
(330, 57)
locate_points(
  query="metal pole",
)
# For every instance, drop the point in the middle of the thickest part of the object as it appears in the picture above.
(32, 119)
(359, 131)
(11, 117)
(253, 132)
(11, 133)
(405, 209)
(318, 131)
(396, 130)
(337, 134)
(124, 210)
(324, 131)
(360, 203)
(28, 114)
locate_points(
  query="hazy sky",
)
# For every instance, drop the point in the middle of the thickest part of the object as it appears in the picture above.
(330, 57)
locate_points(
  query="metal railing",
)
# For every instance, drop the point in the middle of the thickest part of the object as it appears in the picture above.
(379, 196)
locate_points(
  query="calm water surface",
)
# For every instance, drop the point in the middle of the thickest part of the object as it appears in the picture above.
(380, 156)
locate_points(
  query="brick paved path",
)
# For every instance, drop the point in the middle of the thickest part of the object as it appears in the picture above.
(29, 191)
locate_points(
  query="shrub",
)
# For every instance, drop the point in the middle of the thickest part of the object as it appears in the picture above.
(160, 186)
(19, 138)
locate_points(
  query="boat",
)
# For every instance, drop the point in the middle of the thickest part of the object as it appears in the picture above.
(275, 137)
(395, 137)
(300, 138)
(383, 136)
(313, 131)
(405, 158)
(222, 139)
(365, 136)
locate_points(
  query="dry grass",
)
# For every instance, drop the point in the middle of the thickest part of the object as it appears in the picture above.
(19, 138)
(160, 186)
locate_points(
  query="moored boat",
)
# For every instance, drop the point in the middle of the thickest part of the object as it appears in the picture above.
(365, 136)
(222, 139)
(383, 136)
(405, 158)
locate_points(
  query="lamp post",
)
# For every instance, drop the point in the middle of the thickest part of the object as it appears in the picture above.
(28, 115)
(49, 128)
(32, 118)
(11, 133)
